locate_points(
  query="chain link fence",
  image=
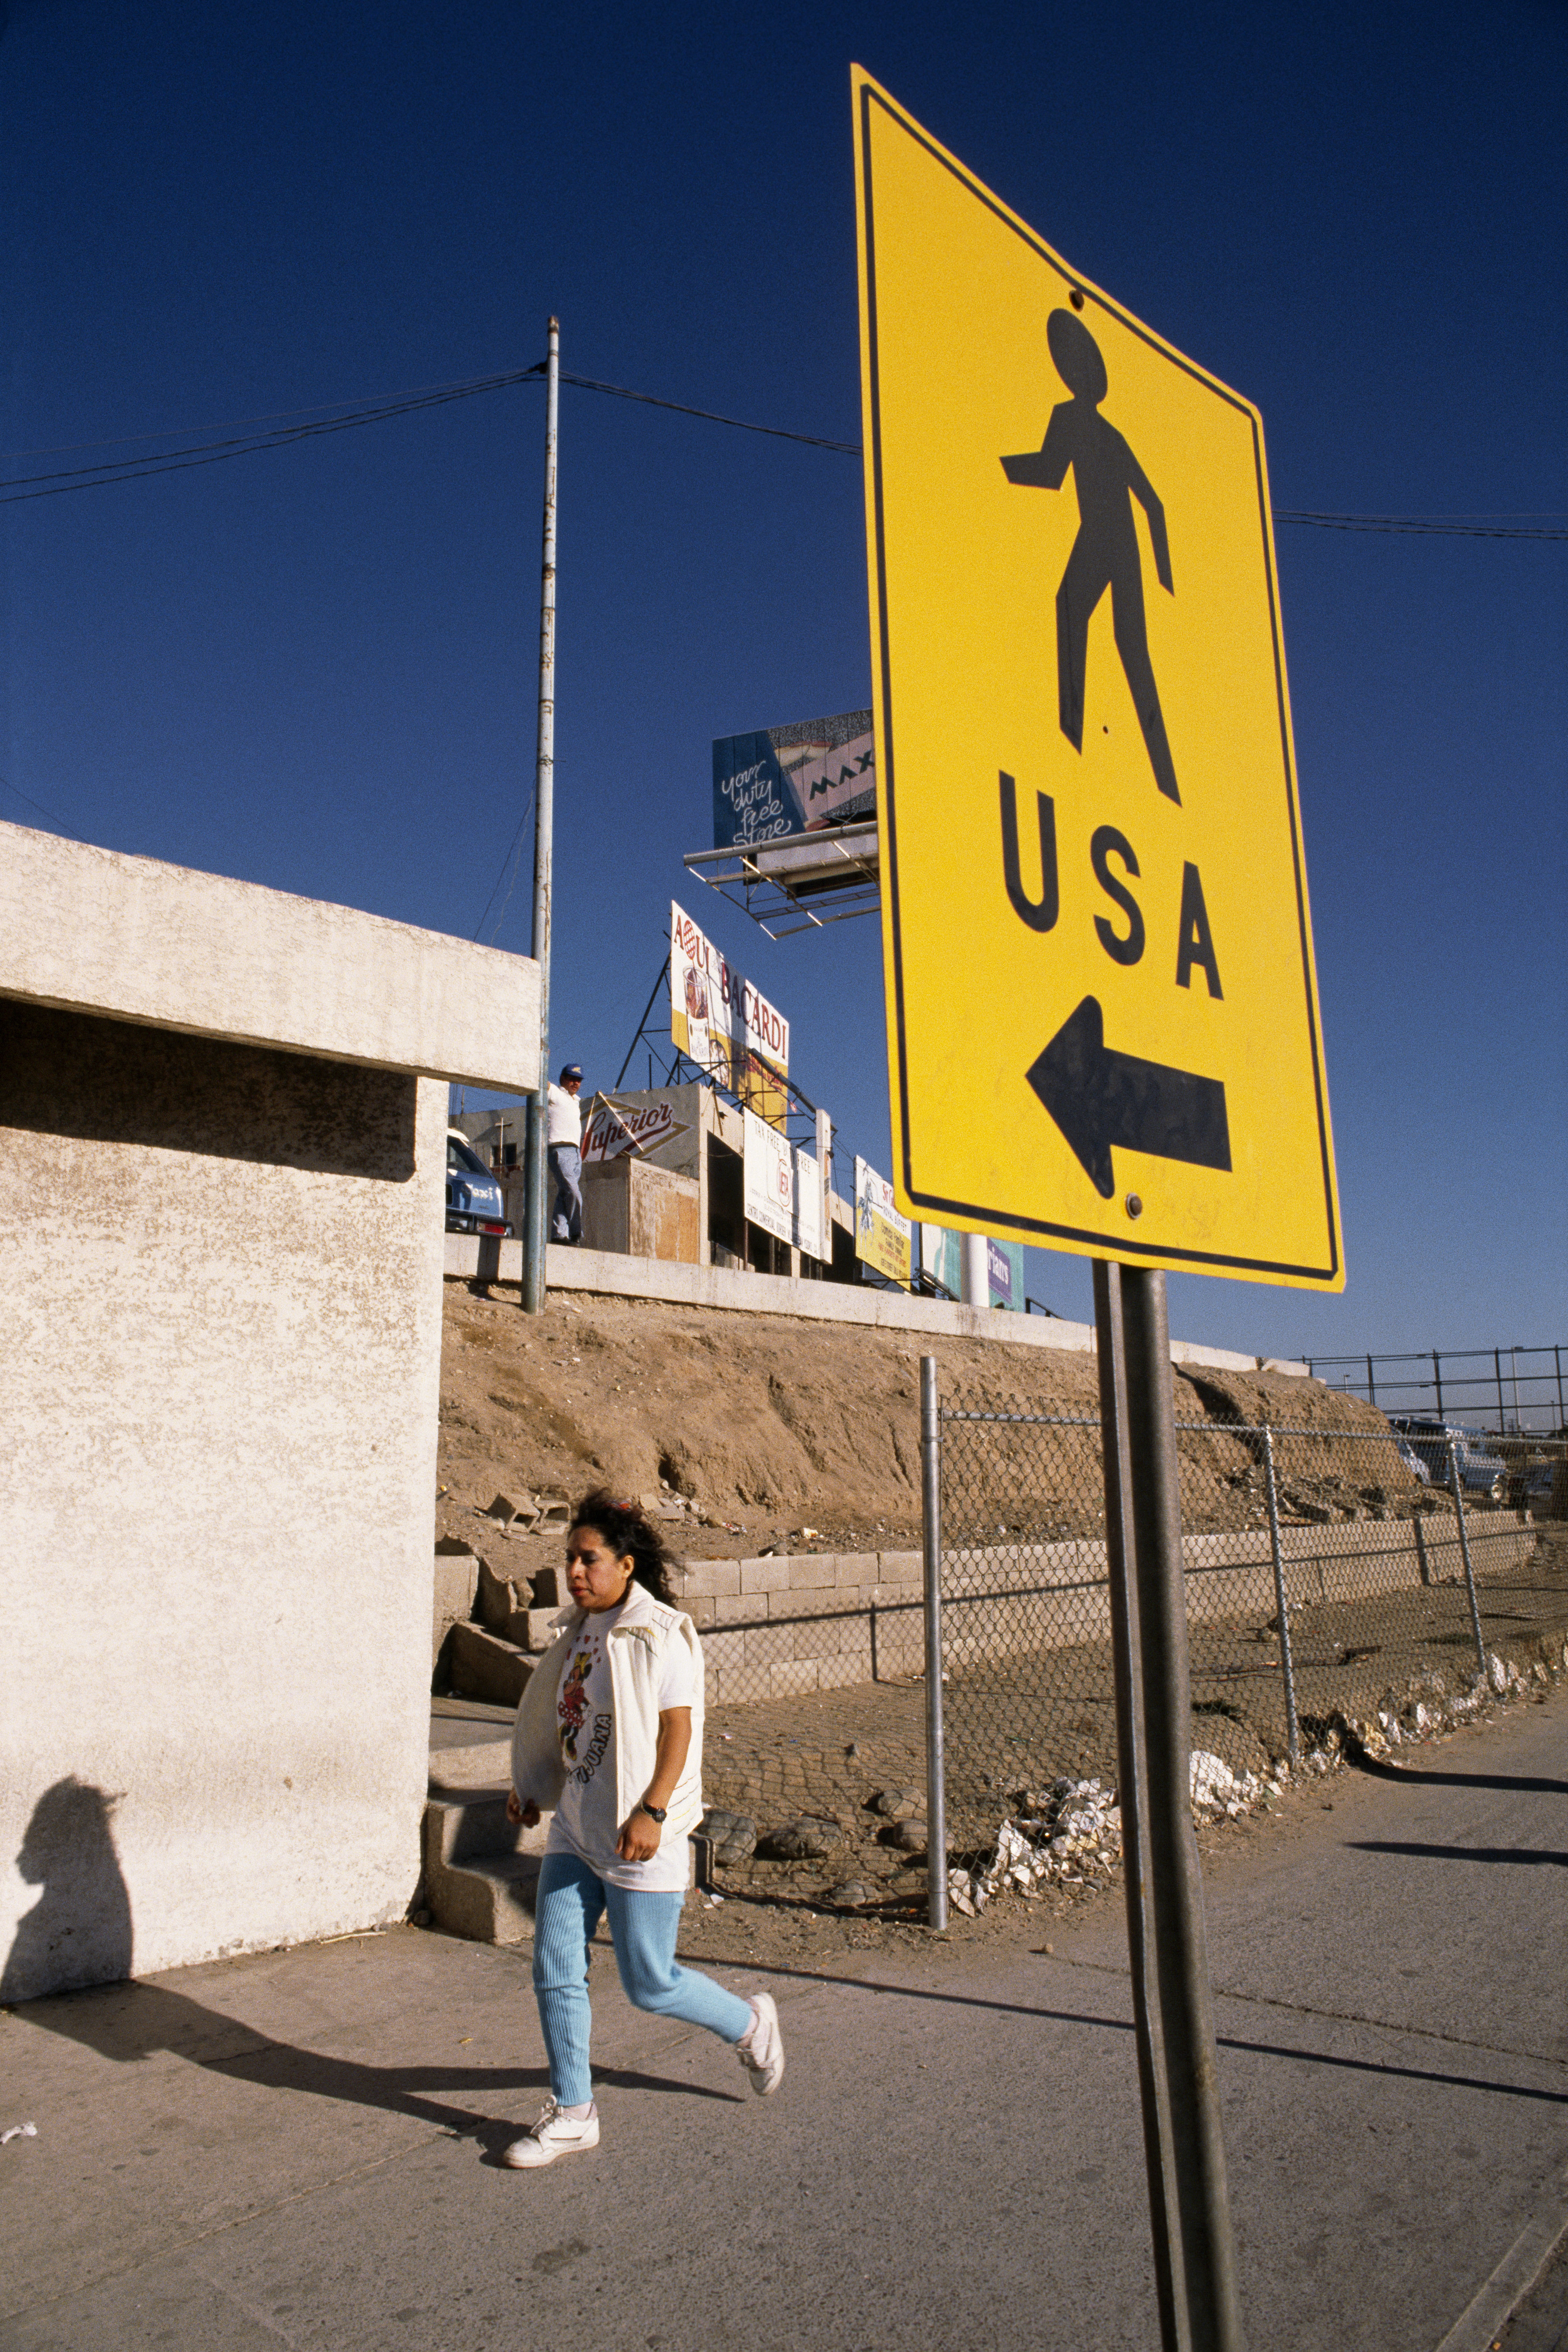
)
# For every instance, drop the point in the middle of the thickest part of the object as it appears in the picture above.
(784, 1624)
(1371, 1558)
(1504, 1390)
(1329, 1572)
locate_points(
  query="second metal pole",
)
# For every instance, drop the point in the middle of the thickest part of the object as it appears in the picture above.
(536, 1208)
(1132, 1800)
(930, 1530)
(1287, 1664)
(1456, 1489)
(1208, 2282)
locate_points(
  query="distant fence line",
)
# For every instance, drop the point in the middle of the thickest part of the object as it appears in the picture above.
(1502, 1389)
(1328, 1574)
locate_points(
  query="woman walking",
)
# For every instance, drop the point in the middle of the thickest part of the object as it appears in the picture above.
(609, 1733)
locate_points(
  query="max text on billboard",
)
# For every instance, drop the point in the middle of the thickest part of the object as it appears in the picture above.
(803, 778)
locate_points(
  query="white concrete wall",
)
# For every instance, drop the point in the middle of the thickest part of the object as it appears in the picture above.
(470, 1256)
(222, 1178)
(97, 931)
(219, 1353)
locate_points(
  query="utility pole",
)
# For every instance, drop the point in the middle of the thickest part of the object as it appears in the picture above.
(535, 1207)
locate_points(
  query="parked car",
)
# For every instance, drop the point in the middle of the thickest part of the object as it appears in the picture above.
(474, 1202)
(1411, 1459)
(1537, 1476)
(1481, 1472)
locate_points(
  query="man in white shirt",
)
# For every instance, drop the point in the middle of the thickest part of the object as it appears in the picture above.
(564, 1137)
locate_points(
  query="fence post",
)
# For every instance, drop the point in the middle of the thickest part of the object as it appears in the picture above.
(1175, 1881)
(1438, 1380)
(931, 1537)
(1132, 1797)
(1422, 1562)
(1458, 1491)
(1287, 1665)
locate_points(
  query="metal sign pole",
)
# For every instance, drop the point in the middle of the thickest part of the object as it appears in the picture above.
(1131, 1791)
(534, 1221)
(1206, 2277)
(931, 1531)
(1281, 1599)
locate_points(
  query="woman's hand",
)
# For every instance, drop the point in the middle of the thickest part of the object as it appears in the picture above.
(640, 1834)
(519, 1815)
(639, 1840)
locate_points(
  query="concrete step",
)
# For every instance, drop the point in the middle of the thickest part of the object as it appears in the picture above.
(483, 1765)
(490, 1901)
(483, 1666)
(481, 1871)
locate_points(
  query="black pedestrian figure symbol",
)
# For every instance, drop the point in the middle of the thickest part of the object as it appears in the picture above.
(1105, 554)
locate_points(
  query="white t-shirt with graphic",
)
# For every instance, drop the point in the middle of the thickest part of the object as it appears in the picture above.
(585, 1822)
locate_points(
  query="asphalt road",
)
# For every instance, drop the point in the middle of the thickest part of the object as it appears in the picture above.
(299, 2148)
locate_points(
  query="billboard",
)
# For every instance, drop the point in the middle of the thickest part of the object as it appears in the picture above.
(808, 1205)
(768, 1178)
(942, 1258)
(882, 1238)
(1004, 1274)
(718, 1020)
(798, 779)
(611, 1130)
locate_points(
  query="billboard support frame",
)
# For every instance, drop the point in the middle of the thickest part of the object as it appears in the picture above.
(757, 879)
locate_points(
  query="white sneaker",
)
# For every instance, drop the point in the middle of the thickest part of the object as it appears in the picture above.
(762, 2051)
(553, 2135)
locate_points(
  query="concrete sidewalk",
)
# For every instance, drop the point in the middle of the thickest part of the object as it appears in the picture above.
(300, 2148)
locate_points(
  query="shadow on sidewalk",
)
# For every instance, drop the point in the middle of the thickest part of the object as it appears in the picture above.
(1459, 1852)
(1378, 1769)
(1125, 2025)
(82, 1920)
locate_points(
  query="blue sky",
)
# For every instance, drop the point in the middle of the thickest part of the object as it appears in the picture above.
(314, 669)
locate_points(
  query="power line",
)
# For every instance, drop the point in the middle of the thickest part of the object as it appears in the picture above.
(1418, 526)
(17, 488)
(48, 815)
(712, 416)
(515, 851)
(272, 416)
(282, 432)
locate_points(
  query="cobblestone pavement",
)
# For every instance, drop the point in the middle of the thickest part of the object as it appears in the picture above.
(819, 1757)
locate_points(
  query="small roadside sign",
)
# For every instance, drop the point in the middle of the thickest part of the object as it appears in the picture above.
(1104, 1025)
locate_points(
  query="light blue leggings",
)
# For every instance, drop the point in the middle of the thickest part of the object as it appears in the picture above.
(571, 1901)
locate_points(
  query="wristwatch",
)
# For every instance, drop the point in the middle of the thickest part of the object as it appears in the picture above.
(654, 1813)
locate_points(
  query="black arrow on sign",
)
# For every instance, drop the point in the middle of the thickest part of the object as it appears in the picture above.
(1099, 1098)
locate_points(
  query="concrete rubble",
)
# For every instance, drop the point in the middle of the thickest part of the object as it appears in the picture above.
(732, 1837)
(1070, 1835)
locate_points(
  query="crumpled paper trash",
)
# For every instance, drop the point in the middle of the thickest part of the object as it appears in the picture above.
(19, 2131)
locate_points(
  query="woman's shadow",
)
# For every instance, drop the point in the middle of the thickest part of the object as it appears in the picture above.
(78, 1935)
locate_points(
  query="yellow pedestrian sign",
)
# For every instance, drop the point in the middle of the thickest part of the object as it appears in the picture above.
(1103, 1027)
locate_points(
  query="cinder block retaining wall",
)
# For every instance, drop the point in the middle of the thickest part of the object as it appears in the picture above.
(776, 1626)
(805, 1622)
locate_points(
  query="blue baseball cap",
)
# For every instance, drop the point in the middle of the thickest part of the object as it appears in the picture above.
(572, 1070)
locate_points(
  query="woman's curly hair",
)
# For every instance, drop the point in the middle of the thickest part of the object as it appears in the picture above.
(625, 1528)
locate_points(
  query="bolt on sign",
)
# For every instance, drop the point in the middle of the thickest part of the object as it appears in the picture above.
(1104, 1027)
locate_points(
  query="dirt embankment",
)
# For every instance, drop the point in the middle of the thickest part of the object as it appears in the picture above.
(771, 1425)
